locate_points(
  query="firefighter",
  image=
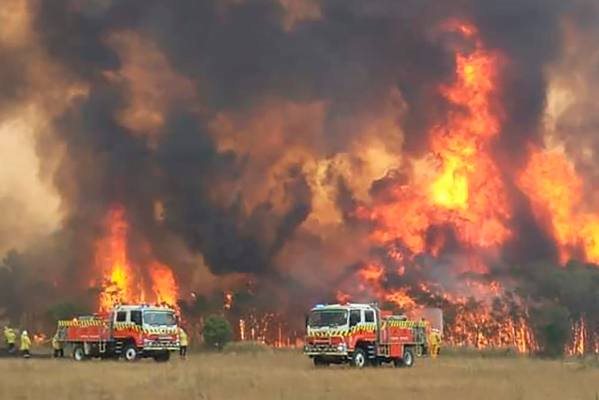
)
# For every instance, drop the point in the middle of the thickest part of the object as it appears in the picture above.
(25, 344)
(434, 343)
(183, 343)
(10, 337)
(57, 346)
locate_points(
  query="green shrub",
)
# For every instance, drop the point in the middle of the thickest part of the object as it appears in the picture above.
(217, 332)
(552, 329)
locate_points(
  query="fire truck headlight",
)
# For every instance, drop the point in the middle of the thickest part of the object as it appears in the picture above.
(341, 347)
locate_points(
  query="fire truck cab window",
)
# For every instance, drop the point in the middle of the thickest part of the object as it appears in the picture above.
(321, 318)
(368, 316)
(121, 316)
(136, 317)
(354, 317)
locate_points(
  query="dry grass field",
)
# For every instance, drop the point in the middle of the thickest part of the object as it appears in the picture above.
(288, 375)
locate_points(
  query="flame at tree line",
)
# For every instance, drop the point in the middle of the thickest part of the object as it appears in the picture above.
(124, 281)
(468, 194)
(456, 196)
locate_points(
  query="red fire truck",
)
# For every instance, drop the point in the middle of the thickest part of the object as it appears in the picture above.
(127, 331)
(362, 334)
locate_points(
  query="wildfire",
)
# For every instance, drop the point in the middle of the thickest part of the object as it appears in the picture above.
(465, 192)
(163, 283)
(266, 328)
(123, 280)
(583, 339)
(481, 327)
(555, 192)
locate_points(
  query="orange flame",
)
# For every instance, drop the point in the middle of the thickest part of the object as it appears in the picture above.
(125, 282)
(464, 191)
(555, 192)
(467, 191)
(163, 284)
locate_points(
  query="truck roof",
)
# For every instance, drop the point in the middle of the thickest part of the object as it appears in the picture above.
(347, 306)
(129, 307)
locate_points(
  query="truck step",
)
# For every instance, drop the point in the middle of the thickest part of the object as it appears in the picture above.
(371, 352)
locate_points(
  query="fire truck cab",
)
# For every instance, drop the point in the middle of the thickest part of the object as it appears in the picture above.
(128, 331)
(361, 335)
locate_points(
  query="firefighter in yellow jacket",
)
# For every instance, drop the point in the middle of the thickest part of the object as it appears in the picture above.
(57, 346)
(183, 342)
(434, 343)
(25, 344)
(10, 337)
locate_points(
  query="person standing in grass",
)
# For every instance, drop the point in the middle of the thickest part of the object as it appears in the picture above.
(11, 337)
(183, 342)
(57, 346)
(434, 343)
(25, 344)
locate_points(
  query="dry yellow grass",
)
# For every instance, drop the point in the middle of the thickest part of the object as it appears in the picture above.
(289, 375)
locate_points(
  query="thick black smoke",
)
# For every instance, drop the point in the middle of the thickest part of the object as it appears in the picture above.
(237, 54)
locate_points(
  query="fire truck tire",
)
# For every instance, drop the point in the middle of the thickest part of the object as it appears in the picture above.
(419, 351)
(407, 360)
(358, 359)
(162, 357)
(319, 362)
(130, 353)
(79, 353)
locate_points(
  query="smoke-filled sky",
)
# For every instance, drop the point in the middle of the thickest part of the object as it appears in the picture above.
(242, 137)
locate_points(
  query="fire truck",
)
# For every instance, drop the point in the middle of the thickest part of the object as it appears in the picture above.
(127, 331)
(361, 335)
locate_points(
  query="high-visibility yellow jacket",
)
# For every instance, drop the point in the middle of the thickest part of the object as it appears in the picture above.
(183, 339)
(56, 344)
(434, 339)
(25, 342)
(10, 336)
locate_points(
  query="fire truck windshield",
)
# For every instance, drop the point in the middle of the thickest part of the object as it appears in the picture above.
(159, 318)
(321, 318)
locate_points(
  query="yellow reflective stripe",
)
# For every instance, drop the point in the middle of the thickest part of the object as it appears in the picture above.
(80, 323)
(405, 324)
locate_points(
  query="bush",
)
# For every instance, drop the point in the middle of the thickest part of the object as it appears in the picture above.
(217, 332)
(552, 328)
(247, 348)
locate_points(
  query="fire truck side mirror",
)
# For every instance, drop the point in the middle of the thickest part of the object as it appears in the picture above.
(354, 319)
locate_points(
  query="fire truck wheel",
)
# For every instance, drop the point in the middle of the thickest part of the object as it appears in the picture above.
(79, 353)
(319, 362)
(130, 352)
(419, 351)
(407, 360)
(162, 357)
(359, 358)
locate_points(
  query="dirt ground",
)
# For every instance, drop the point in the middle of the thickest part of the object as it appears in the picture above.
(289, 375)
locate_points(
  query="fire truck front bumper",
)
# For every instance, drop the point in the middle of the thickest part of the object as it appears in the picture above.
(158, 345)
(325, 349)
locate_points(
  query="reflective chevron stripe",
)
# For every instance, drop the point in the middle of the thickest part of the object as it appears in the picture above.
(118, 326)
(147, 330)
(403, 324)
(367, 328)
(84, 323)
